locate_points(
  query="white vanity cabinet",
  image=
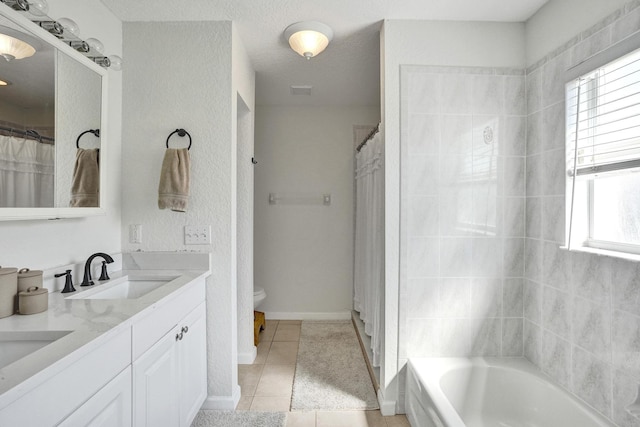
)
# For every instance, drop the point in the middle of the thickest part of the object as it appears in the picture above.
(170, 377)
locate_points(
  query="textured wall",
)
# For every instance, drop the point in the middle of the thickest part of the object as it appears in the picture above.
(304, 253)
(44, 244)
(171, 83)
(582, 313)
(462, 216)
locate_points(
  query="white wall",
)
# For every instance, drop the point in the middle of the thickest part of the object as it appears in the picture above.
(195, 91)
(304, 253)
(558, 21)
(481, 44)
(45, 244)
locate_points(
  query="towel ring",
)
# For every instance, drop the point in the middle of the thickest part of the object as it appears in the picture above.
(181, 133)
(96, 132)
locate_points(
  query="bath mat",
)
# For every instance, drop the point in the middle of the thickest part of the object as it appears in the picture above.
(331, 373)
(239, 419)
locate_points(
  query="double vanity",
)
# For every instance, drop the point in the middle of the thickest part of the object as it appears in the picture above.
(127, 351)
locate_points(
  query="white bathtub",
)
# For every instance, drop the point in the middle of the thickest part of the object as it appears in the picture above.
(489, 392)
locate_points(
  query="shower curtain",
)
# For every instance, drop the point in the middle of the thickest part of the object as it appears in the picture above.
(26, 173)
(369, 244)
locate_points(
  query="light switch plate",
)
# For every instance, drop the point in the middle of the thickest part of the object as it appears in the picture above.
(197, 234)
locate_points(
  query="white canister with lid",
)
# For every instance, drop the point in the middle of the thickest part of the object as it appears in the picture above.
(28, 279)
(8, 291)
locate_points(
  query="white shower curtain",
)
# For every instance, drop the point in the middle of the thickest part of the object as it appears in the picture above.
(26, 173)
(369, 245)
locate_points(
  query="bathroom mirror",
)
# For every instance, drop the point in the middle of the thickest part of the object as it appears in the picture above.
(51, 98)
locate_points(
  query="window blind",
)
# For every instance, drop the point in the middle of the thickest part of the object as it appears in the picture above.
(603, 118)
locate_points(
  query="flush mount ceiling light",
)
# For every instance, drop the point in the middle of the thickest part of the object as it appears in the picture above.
(12, 47)
(308, 38)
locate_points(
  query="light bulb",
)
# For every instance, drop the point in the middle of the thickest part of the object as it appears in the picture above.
(95, 45)
(70, 27)
(116, 62)
(38, 7)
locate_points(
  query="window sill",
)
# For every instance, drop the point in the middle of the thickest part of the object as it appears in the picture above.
(604, 252)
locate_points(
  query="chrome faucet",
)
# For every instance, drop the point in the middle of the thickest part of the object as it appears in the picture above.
(86, 280)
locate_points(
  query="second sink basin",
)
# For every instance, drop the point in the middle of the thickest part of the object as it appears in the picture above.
(15, 345)
(123, 288)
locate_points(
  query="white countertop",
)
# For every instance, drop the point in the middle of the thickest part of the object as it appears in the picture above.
(91, 322)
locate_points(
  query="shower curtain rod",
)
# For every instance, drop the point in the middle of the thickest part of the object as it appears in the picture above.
(28, 133)
(371, 134)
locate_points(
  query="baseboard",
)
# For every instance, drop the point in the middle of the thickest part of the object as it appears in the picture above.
(247, 358)
(336, 315)
(223, 403)
(387, 407)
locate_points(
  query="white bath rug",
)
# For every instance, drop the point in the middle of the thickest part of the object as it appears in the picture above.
(331, 373)
(239, 419)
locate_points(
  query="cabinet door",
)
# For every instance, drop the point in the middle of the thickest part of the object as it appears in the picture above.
(192, 359)
(109, 407)
(155, 385)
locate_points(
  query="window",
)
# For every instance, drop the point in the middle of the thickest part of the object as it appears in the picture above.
(603, 156)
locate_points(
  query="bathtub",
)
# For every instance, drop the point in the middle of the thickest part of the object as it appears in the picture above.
(489, 392)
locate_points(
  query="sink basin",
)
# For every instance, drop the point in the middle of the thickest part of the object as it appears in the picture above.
(15, 345)
(125, 288)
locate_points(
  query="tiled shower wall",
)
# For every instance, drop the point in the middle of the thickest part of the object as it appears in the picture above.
(582, 311)
(462, 212)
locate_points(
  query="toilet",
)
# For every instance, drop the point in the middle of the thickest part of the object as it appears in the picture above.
(259, 295)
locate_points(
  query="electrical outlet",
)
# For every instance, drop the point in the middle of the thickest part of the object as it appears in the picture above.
(197, 234)
(135, 233)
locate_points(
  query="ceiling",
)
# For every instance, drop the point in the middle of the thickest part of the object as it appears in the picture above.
(347, 73)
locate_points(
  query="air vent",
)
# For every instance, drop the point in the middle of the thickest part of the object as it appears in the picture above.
(301, 90)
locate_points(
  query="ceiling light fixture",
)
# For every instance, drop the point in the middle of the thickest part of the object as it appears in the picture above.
(11, 47)
(4, 83)
(308, 38)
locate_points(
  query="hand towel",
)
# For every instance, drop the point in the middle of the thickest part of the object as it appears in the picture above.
(173, 191)
(85, 185)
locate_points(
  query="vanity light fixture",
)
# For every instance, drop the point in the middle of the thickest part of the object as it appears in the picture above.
(34, 7)
(11, 47)
(308, 38)
(69, 26)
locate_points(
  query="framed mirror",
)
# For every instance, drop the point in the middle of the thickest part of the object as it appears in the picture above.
(52, 133)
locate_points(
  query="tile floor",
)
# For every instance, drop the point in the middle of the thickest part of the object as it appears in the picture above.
(268, 382)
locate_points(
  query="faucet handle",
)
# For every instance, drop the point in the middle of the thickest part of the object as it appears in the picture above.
(103, 273)
(68, 283)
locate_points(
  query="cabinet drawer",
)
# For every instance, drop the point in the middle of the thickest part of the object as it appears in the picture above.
(164, 316)
(60, 395)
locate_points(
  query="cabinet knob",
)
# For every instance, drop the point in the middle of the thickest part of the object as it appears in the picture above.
(179, 336)
(185, 329)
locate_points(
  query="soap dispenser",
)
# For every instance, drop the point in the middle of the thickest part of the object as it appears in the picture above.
(68, 282)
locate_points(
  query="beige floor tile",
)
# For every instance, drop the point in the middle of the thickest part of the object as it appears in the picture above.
(248, 378)
(270, 404)
(286, 332)
(245, 403)
(397, 421)
(282, 353)
(290, 322)
(269, 331)
(301, 419)
(349, 419)
(276, 381)
(263, 352)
